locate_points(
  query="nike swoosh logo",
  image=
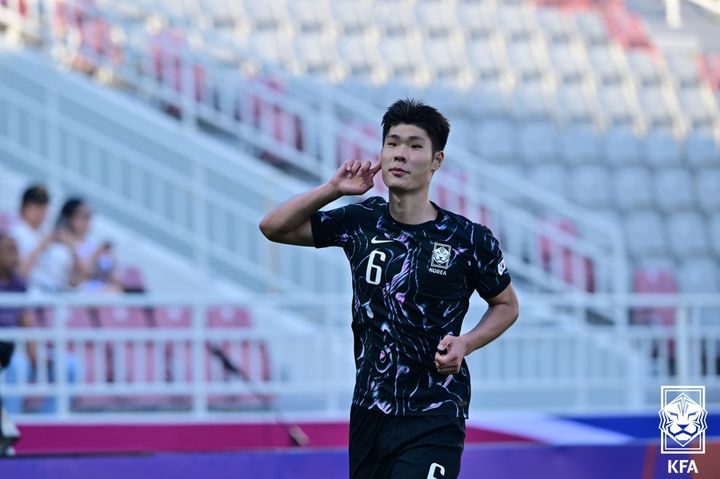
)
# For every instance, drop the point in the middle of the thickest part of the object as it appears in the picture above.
(375, 240)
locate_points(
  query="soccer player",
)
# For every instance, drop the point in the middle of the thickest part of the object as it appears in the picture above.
(414, 267)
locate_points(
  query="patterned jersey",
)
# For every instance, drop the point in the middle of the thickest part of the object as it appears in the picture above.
(411, 286)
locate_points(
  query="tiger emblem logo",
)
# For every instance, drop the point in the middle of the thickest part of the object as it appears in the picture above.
(440, 256)
(683, 420)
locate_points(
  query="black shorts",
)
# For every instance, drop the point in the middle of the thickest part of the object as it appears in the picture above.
(404, 447)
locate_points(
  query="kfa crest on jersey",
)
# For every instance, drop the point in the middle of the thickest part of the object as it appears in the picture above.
(440, 259)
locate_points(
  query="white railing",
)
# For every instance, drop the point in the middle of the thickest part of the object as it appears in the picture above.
(295, 122)
(673, 10)
(173, 367)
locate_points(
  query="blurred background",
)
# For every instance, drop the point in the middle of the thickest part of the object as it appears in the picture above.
(141, 141)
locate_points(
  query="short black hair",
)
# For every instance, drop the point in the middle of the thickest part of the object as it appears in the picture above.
(35, 194)
(68, 210)
(414, 112)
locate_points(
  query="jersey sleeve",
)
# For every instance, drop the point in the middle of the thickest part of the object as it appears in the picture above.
(335, 227)
(491, 275)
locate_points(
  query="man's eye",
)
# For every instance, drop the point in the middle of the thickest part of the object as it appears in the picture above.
(417, 147)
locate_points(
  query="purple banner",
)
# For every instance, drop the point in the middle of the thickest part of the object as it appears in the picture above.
(497, 462)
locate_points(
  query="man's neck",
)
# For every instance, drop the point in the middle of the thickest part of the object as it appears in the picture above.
(412, 208)
(5, 276)
(30, 225)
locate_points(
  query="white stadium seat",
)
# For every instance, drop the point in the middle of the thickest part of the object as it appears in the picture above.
(688, 235)
(633, 188)
(674, 190)
(699, 275)
(645, 234)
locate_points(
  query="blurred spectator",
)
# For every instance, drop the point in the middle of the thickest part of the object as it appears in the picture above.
(11, 282)
(94, 263)
(28, 233)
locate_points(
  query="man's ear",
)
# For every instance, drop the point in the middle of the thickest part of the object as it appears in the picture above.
(437, 160)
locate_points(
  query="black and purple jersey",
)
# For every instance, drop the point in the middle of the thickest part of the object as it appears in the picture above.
(411, 286)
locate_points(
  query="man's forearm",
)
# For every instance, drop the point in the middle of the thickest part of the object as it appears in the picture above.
(494, 322)
(296, 211)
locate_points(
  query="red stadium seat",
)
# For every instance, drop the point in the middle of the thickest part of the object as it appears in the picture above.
(710, 69)
(654, 280)
(273, 120)
(627, 28)
(224, 317)
(561, 259)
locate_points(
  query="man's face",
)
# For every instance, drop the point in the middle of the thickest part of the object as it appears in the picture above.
(407, 159)
(35, 213)
(9, 258)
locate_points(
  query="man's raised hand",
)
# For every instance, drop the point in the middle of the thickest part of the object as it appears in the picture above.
(355, 177)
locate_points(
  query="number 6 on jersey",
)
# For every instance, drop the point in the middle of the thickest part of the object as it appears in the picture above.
(373, 273)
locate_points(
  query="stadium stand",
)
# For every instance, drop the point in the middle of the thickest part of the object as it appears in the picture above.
(577, 96)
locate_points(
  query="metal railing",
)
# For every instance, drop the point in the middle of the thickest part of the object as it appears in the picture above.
(554, 359)
(673, 10)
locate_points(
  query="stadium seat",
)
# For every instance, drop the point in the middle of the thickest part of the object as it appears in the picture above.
(555, 256)
(590, 186)
(358, 52)
(539, 142)
(688, 235)
(264, 15)
(627, 28)
(579, 144)
(496, 141)
(315, 54)
(568, 63)
(645, 68)
(516, 22)
(552, 177)
(632, 188)
(654, 279)
(309, 15)
(437, 17)
(228, 317)
(447, 60)
(394, 17)
(655, 107)
(702, 149)
(352, 16)
(592, 27)
(574, 106)
(699, 275)
(662, 149)
(645, 234)
(477, 19)
(616, 105)
(674, 189)
(173, 317)
(486, 101)
(602, 61)
(707, 184)
(622, 147)
(710, 69)
(485, 59)
(684, 69)
(524, 60)
(697, 108)
(556, 26)
(532, 102)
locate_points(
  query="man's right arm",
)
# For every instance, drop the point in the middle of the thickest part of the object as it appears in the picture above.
(290, 222)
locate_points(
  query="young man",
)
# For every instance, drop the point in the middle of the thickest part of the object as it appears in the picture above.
(28, 232)
(414, 269)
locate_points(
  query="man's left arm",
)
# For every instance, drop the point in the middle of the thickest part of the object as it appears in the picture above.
(502, 312)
